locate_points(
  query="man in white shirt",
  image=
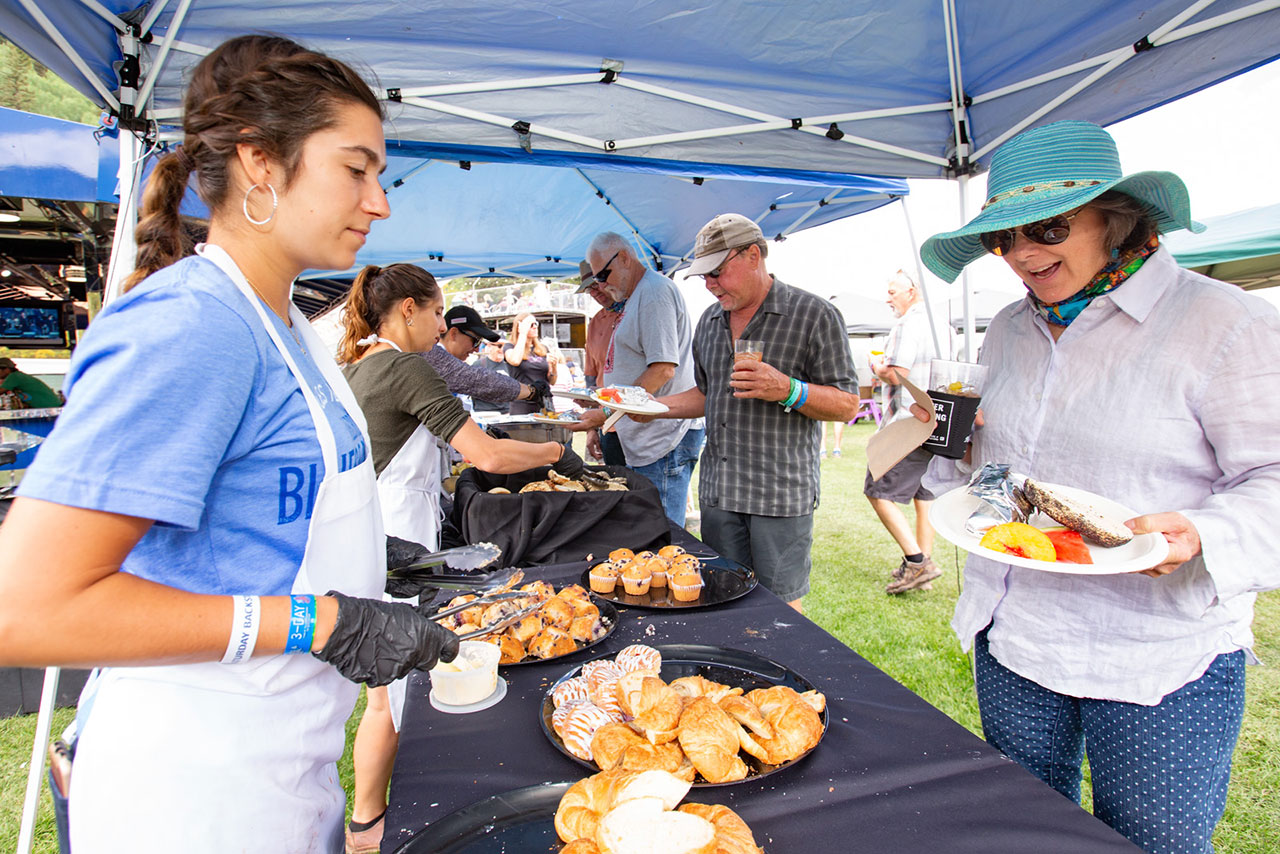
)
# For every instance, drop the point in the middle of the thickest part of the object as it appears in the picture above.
(907, 354)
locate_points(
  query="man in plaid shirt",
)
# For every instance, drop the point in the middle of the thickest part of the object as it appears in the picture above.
(758, 480)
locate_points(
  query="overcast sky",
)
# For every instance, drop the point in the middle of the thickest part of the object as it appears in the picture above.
(1222, 141)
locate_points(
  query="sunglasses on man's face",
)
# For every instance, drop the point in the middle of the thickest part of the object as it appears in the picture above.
(603, 275)
(715, 274)
(1046, 232)
(475, 340)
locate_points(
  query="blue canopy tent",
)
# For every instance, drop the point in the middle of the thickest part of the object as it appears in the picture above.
(751, 89)
(919, 88)
(1241, 247)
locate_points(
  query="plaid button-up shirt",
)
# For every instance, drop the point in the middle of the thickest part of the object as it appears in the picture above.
(759, 458)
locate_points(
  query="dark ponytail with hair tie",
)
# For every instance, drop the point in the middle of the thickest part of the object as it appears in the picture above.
(373, 295)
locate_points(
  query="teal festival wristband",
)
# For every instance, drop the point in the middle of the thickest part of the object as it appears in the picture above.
(793, 397)
(302, 624)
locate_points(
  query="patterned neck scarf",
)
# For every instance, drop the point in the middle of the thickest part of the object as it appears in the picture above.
(618, 306)
(1112, 276)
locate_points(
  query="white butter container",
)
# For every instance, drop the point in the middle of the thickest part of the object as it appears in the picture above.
(469, 678)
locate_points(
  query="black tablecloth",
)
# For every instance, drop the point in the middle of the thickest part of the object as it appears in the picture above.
(892, 773)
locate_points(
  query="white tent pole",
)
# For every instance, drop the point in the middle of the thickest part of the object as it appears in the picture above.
(150, 21)
(1088, 81)
(502, 121)
(39, 747)
(124, 250)
(497, 85)
(648, 247)
(928, 305)
(106, 14)
(165, 46)
(839, 200)
(969, 354)
(61, 42)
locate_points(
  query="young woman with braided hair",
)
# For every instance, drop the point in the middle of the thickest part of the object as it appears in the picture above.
(210, 479)
(392, 316)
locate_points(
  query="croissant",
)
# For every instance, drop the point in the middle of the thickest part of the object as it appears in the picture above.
(551, 642)
(659, 757)
(797, 727)
(581, 846)
(747, 713)
(709, 737)
(654, 707)
(610, 743)
(692, 687)
(732, 834)
(582, 805)
(816, 699)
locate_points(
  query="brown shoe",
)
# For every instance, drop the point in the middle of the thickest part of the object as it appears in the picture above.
(368, 841)
(914, 576)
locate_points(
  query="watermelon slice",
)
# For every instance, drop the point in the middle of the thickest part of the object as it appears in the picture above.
(1069, 545)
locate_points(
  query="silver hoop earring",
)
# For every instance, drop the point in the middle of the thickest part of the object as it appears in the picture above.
(275, 201)
(409, 322)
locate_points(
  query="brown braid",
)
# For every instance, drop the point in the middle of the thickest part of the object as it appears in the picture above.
(263, 90)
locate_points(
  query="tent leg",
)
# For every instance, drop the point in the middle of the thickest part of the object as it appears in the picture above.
(969, 354)
(124, 249)
(39, 748)
(928, 306)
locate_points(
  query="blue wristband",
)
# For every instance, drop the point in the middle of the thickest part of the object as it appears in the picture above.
(804, 394)
(302, 624)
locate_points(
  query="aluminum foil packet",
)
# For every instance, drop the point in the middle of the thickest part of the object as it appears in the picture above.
(1002, 501)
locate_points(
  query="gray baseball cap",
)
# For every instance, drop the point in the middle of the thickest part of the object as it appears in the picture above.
(718, 238)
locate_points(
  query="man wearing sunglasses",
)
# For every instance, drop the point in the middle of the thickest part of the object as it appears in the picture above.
(466, 331)
(651, 347)
(758, 483)
(600, 329)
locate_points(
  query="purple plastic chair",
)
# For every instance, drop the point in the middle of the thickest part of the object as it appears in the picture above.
(868, 408)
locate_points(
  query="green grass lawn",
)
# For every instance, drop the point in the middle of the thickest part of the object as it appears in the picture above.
(907, 636)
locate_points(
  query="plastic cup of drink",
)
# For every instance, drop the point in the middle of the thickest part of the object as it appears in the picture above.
(956, 390)
(746, 350)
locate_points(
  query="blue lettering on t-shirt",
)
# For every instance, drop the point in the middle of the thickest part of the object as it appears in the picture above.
(292, 479)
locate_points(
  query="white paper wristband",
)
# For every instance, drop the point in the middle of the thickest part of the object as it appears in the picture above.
(244, 630)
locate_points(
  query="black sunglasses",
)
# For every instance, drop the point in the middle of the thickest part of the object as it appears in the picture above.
(1046, 232)
(715, 274)
(475, 339)
(603, 275)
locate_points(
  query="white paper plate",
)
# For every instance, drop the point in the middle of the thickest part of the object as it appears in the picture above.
(948, 515)
(573, 393)
(650, 407)
(547, 419)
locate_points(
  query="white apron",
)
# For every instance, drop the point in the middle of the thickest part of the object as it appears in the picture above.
(409, 493)
(223, 758)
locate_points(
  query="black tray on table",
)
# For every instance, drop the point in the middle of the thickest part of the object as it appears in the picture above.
(733, 667)
(522, 820)
(723, 581)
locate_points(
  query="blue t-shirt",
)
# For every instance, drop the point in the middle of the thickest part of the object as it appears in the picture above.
(181, 409)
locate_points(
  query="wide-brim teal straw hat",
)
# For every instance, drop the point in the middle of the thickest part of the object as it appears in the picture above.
(1051, 170)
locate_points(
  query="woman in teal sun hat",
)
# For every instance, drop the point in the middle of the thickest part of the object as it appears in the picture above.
(1155, 387)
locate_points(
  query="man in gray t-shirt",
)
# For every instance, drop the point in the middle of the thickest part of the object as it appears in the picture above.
(651, 347)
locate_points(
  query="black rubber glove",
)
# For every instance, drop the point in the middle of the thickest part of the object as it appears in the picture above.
(541, 394)
(402, 553)
(569, 464)
(377, 642)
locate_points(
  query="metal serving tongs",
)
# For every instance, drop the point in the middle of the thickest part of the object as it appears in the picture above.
(490, 598)
(432, 572)
(473, 556)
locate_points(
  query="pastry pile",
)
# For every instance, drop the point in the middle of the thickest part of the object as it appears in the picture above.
(620, 714)
(625, 812)
(588, 481)
(567, 621)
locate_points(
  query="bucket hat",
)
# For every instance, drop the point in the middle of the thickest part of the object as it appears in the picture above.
(588, 277)
(1047, 171)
